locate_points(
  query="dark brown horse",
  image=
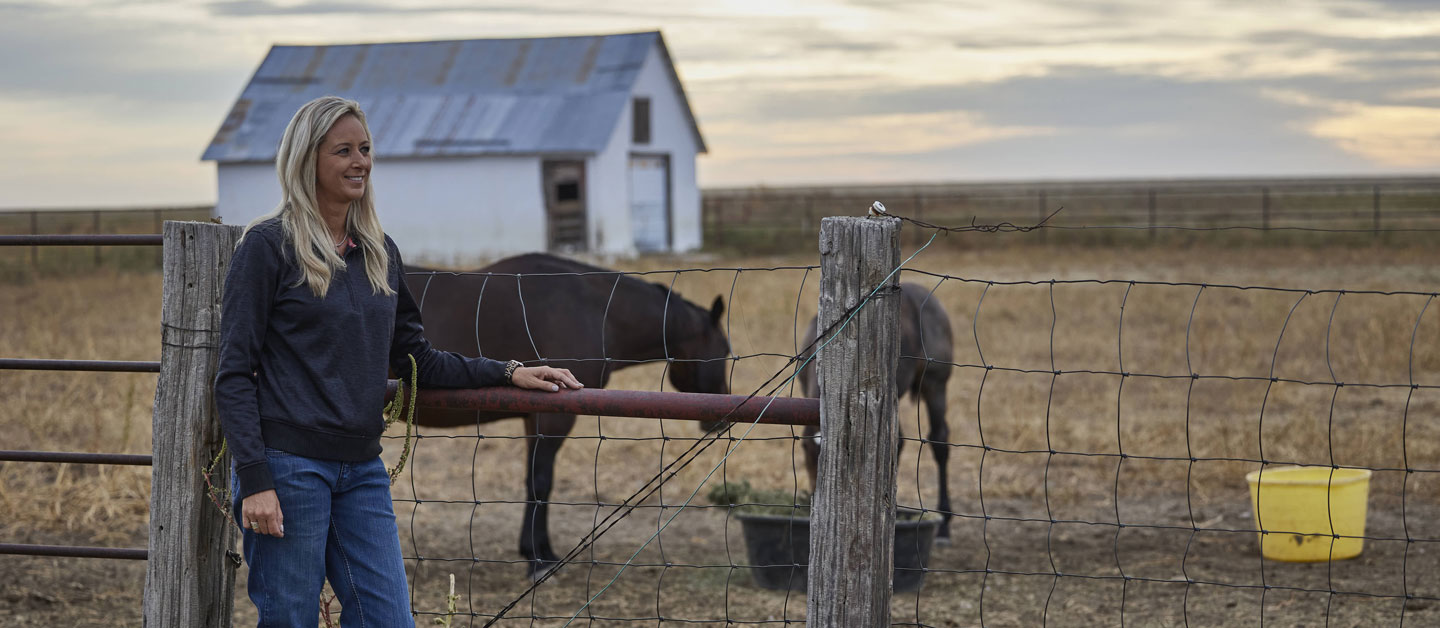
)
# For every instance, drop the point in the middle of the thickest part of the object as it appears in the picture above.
(542, 309)
(924, 333)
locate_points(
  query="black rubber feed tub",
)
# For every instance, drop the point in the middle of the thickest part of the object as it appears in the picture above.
(779, 550)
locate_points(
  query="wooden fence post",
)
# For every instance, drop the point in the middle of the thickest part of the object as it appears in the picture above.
(1150, 205)
(852, 526)
(1042, 209)
(1375, 207)
(1265, 209)
(190, 575)
(95, 228)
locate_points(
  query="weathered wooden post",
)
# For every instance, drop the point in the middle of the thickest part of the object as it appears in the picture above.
(95, 228)
(852, 527)
(1150, 205)
(1375, 207)
(35, 230)
(190, 577)
(1042, 210)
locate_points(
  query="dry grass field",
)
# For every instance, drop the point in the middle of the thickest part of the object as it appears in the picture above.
(459, 500)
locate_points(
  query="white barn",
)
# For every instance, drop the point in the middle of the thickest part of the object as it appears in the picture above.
(488, 147)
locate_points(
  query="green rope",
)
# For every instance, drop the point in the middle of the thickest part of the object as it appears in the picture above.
(397, 405)
(218, 496)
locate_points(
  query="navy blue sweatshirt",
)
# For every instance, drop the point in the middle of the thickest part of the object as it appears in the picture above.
(307, 375)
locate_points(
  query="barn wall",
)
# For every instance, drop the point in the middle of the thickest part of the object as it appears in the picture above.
(246, 191)
(670, 133)
(457, 211)
(607, 184)
(449, 211)
(608, 172)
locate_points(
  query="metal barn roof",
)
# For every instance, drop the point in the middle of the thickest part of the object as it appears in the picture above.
(446, 98)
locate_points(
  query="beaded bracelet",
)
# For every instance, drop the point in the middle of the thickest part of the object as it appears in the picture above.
(510, 370)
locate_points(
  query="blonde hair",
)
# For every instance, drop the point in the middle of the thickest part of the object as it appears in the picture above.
(299, 211)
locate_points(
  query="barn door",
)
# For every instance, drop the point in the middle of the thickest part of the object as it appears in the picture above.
(564, 183)
(650, 202)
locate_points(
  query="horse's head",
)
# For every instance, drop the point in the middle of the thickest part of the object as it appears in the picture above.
(700, 351)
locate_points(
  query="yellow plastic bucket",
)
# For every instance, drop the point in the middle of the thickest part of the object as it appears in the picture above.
(1292, 510)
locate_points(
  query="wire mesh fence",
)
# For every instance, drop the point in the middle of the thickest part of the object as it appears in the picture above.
(1091, 436)
(1100, 432)
(1104, 430)
(639, 335)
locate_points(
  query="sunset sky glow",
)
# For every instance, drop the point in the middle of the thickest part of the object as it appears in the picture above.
(111, 102)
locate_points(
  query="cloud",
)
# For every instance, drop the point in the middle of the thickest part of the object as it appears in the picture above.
(886, 134)
(1375, 44)
(1073, 122)
(252, 8)
(1388, 135)
(1403, 6)
(270, 8)
(69, 153)
(69, 54)
(803, 90)
(854, 46)
(1067, 96)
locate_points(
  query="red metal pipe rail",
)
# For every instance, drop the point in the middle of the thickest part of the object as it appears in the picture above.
(620, 403)
(626, 403)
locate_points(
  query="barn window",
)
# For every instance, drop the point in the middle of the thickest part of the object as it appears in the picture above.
(642, 120)
(567, 191)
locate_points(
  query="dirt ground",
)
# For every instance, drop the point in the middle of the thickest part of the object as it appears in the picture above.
(459, 502)
(1225, 567)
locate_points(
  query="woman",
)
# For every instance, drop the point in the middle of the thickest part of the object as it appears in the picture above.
(315, 311)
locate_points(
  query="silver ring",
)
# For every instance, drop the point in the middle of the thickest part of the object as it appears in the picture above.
(255, 525)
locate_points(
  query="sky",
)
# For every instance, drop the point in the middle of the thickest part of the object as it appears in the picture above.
(111, 102)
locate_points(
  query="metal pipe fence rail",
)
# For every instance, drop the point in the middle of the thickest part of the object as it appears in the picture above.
(82, 222)
(93, 366)
(179, 514)
(73, 551)
(615, 403)
(33, 240)
(189, 535)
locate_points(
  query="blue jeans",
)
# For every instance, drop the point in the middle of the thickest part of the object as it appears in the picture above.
(339, 525)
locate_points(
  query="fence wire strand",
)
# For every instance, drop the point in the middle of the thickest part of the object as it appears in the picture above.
(1132, 577)
(1333, 590)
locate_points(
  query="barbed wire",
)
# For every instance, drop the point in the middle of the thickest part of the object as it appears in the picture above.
(1239, 228)
(878, 209)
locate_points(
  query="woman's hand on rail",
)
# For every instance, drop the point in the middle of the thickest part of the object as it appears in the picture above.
(544, 378)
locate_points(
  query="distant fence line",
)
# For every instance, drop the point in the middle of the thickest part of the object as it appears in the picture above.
(762, 218)
(91, 220)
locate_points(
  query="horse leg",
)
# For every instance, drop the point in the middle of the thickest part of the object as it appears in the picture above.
(547, 433)
(939, 440)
